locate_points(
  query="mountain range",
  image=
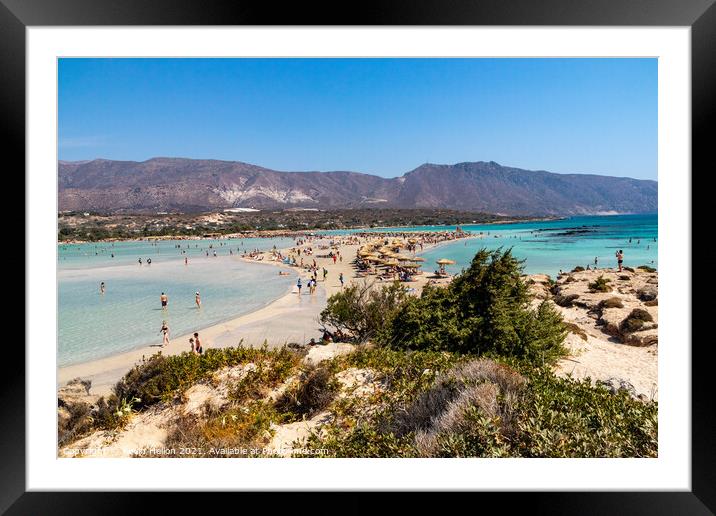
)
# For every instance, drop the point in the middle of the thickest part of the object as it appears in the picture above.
(190, 185)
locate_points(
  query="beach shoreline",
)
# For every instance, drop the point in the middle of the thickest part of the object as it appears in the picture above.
(266, 324)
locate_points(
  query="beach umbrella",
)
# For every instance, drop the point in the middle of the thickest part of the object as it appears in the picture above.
(418, 259)
(390, 263)
(445, 261)
(411, 265)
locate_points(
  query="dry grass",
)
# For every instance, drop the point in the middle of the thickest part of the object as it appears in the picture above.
(485, 385)
(635, 320)
(573, 328)
(317, 389)
(612, 302)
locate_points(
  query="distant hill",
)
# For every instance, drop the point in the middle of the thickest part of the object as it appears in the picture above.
(178, 184)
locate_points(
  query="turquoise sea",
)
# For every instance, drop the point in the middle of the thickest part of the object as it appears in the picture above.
(550, 246)
(128, 315)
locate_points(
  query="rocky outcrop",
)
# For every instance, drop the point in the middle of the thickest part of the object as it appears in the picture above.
(627, 291)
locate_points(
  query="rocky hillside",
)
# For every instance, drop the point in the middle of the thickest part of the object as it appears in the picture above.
(176, 184)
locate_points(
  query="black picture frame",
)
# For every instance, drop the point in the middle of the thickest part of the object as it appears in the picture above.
(700, 15)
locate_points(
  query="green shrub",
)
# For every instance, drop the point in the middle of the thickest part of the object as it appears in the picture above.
(601, 284)
(362, 310)
(484, 310)
(646, 268)
(651, 302)
(578, 268)
(635, 320)
(160, 378)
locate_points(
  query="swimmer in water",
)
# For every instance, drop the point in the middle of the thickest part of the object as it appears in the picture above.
(140, 261)
(164, 299)
(197, 300)
(101, 288)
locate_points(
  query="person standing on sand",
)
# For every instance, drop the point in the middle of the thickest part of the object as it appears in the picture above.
(596, 260)
(101, 288)
(340, 278)
(197, 344)
(191, 343)
(298, 285)
(140, 261)
(620, 259)
(164, 299)
(197, 299)
(165, 332)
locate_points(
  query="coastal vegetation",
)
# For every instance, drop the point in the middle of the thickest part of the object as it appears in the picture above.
(464, 370)
(483, 311)
(93, 226)
(466, 407)
(601, 284)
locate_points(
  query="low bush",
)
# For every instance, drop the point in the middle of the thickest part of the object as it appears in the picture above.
(314, 393)
(601, 284)
(646, 268)
(159, 378)
(77, 422)
(484, 310)
(651, 302)
(612, 302)
(635, 320)
(565, 301)
(578, 268)
(235, 432)
(362, 310)
(483, 409)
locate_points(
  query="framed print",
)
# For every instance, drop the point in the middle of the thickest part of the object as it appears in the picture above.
(421, 249)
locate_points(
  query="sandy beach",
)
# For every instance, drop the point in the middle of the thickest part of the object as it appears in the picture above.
(288, 319)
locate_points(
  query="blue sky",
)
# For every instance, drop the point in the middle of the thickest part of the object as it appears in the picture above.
(380, 116)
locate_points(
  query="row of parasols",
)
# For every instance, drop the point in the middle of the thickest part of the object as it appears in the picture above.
(384, 253)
